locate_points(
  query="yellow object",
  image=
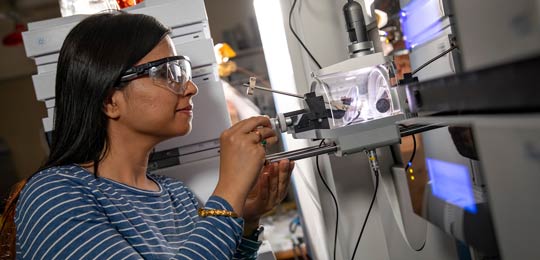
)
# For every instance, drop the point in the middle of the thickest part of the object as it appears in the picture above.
(412, 178)
(410, 170)
(224, 52)
(216, 212)
(226, 68)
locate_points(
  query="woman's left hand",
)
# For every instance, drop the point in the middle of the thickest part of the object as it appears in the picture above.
(270, 189)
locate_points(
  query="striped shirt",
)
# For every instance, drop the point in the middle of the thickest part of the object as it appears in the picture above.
(66, 212)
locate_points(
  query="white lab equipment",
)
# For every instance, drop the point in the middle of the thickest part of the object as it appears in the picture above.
(461, 188)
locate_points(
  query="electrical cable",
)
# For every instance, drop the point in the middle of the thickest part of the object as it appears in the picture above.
(453, 47)
(375, 168)
(294, 249)
(333, 198)
(409, 163)
(298, 38)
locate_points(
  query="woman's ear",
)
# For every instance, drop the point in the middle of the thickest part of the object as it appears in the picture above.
(111, 107)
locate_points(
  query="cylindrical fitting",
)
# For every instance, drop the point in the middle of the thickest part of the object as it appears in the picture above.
(354, 20)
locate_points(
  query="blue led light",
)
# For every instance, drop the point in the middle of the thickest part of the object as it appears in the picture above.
(451, 182)
(420, 22)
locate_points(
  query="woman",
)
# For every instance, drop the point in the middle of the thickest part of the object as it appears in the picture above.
(121, 88)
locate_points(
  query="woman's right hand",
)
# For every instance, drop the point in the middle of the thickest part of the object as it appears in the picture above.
(242, 157)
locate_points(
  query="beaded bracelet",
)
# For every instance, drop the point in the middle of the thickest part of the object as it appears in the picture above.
(216, 212)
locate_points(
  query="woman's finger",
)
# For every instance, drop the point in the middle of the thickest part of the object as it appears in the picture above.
(248, 125)
(266, 132)
(274, 183)
(265, 186)
(284, 175)
(272, 140)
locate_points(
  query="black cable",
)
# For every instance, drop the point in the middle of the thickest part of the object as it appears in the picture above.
(333, 198)
(453, 47)
(356, 117)
(409, 163)
(369, 211)
(298, 38)
(294, 249)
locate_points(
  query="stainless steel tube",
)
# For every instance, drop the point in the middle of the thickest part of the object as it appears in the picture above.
(301, 153)
(275, 91)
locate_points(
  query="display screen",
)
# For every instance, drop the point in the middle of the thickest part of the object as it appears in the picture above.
(451, 182)
(420, 22)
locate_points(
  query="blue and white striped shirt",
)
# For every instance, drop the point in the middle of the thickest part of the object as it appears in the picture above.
(66, 213)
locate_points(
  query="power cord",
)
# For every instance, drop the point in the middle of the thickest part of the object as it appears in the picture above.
(298, 38)
(452, 47)
(374, 165)
(333, 198)
(409, 163)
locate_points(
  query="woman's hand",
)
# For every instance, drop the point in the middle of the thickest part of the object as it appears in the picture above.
(270, 189)
(242, 157)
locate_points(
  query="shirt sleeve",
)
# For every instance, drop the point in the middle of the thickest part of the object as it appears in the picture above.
(247, 249)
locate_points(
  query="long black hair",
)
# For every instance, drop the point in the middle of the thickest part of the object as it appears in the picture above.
(92, 59)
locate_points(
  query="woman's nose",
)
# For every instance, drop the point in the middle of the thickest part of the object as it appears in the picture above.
(191, 89)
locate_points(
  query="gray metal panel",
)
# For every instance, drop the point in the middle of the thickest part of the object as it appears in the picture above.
(46, 67)
(47, 59)
(510, 151)
(172, 13)
(44, 85)
(494, 32)
(47, 124)
(200, 52)
(444, 66)
(49, 103)
(47, 36)
(398, 219)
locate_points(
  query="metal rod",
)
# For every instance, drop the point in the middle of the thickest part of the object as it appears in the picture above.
(298, 150)
(410, 130)
(294, 151)
(275, 91)
(295, 155)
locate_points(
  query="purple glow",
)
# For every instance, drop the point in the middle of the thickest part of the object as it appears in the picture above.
(420, 22)
(451, 182)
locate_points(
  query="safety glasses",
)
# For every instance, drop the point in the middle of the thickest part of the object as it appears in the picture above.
(172, 73)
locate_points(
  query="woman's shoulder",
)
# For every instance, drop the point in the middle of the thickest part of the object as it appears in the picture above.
(58, 174)
(57, 179)
(56, 189)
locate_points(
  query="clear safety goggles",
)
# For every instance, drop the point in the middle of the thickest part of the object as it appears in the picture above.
(173, 73)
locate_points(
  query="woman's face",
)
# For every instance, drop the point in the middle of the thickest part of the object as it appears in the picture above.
(154, 110)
